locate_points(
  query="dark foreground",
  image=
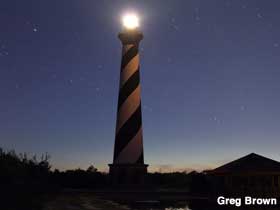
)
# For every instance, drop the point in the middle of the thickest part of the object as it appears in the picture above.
(90, 201)
(98, 201)
(110, 200)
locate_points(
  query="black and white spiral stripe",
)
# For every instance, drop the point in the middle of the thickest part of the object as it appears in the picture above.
(129, 137)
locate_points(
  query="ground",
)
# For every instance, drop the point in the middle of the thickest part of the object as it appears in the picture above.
(81, 202)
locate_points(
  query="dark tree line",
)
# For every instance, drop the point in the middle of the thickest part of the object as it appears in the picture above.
(21, 178)
(194, 182)
(17, 172)
(25, 181)
(78, 178)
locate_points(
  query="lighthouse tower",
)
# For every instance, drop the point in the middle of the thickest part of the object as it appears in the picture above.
(128, 166)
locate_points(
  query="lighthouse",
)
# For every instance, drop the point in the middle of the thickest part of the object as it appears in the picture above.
(128, 168)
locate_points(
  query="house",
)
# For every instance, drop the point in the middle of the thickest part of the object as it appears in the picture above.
(252, 174)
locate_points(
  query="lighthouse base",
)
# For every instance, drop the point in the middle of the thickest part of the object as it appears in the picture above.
(128, 175)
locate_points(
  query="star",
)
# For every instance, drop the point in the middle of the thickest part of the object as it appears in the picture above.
(259, 15)
(54, 76)
(176, 27)
(242, 108)
(197, 18)
(100, 67)
(215, 118)
(35, 29)
(276, 44)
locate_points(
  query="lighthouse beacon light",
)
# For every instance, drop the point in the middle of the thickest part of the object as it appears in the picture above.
(130, 21)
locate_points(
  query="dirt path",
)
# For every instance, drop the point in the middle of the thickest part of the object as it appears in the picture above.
(82, 202)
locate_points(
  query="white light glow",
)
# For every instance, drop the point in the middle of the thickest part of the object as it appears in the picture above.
(130, 21)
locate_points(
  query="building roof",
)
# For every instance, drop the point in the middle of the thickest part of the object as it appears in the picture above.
(252, 163)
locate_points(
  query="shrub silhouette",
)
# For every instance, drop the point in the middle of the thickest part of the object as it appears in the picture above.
(21, 178)
(78, 178)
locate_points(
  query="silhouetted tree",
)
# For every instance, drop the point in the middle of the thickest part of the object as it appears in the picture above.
(22, 179)
(91, 169)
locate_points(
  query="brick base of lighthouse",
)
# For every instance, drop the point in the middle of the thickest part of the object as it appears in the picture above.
(128, 175)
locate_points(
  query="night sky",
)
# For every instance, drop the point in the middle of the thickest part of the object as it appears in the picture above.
(209, 74)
